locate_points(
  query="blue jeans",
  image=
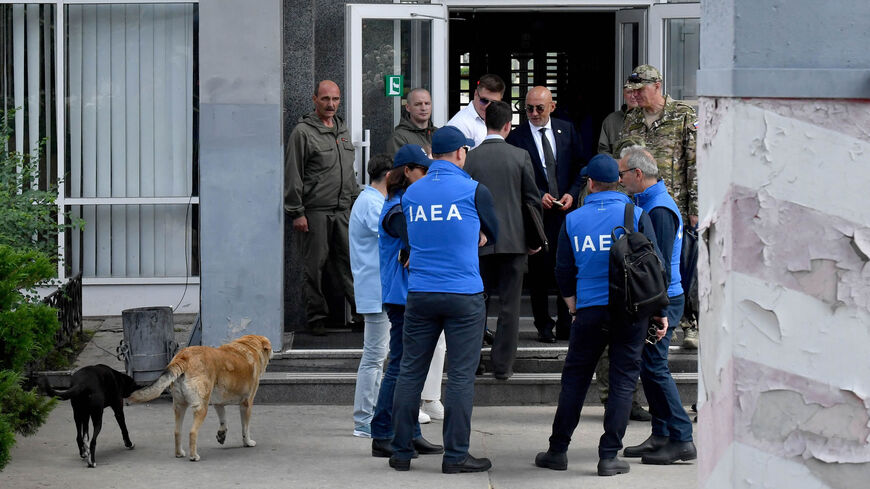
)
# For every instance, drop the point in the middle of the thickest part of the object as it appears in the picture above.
(460, 317)
(669, 418)
(592, 330)
(368, 375)
(382, 422)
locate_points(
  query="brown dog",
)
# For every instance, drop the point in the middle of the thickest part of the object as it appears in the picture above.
(202, 375)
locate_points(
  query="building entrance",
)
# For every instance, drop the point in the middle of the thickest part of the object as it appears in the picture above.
(570, 53)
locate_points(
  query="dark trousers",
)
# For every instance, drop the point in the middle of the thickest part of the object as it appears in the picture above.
(542, 279)
(382, 421)
(325, 248)
(593, 329)
(426, 315)
(669, 418)
(502, 275)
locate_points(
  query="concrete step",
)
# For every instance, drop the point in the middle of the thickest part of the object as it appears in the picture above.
(529, 359)
(337, 388)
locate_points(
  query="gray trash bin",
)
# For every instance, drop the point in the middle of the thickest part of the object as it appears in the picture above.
(149, 342)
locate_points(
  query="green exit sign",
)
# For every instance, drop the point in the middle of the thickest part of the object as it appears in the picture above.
(394, 85)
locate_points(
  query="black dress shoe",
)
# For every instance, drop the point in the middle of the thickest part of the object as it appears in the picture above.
(423, 447)
(651, 444)
(546, 336)
(381, 448)
(400, 465)
(671, 452)
(639, 414)
(470, 464)
(488, 337)
(481, 368)
(612, 466)
(552, 460)
(502, 375)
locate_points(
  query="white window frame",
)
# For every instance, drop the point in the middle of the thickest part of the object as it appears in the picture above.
(169, 288)
(658, 15)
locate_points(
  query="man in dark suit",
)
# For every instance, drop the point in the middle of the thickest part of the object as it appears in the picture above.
(557, 166)
(507, 172)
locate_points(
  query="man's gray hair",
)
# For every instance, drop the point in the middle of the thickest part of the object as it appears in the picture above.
(639, 157)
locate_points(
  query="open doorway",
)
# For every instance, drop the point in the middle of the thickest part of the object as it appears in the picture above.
(570, 53)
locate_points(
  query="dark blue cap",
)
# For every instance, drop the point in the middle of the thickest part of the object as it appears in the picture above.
(449, 139)
(411, 153)
(602, 168)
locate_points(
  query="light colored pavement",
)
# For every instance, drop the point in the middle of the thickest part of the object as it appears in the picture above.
(312, 447)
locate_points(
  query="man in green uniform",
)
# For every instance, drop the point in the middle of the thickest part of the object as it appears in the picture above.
(666, 127)
(415, 127)
(319, 190)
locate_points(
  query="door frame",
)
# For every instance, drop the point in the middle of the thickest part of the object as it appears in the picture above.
(658, 14)
(355, 14)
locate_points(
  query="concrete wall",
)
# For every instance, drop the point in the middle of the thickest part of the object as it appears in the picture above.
(241, 169)
(784, 391)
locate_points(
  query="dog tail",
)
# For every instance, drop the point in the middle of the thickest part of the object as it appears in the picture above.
(173, 371)
(63, 394)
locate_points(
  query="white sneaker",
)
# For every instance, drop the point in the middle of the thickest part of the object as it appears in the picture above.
(434, 409)
(423, 418)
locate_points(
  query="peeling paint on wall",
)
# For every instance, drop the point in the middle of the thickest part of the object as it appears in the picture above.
(790, 415)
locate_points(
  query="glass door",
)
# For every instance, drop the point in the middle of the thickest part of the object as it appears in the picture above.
(391, 49)
(675, 47)
(630, 46)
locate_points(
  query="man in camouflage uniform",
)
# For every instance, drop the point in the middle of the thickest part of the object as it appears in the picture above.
(667, 128)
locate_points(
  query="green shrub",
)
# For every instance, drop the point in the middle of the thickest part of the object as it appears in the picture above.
(21, 412)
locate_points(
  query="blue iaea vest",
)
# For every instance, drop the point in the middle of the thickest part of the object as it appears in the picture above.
(658, 196)
(443, 230)
(589, 230)
(394, 277)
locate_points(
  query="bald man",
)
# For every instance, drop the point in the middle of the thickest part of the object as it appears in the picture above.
(319, 190)
(416, 126)
(556, 153)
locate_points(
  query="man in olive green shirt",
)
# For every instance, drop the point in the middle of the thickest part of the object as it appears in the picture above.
(416, 126)
(319, 189)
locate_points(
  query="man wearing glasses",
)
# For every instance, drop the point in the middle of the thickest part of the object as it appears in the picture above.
(555, 149)
(667, 128)
(671, 438)
(471, 120)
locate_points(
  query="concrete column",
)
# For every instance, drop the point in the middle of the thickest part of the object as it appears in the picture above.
(784, 170)
(241, 169)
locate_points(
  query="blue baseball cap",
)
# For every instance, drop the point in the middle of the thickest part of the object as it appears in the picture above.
(411, 153)
(601, 168)
(448, 139)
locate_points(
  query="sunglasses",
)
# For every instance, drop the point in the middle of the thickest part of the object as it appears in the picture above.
(532, 108)
(626, 171)
(483, 100)
(467, 149)
(635, 78)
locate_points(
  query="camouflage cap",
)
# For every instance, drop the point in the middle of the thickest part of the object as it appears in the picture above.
(642, 75)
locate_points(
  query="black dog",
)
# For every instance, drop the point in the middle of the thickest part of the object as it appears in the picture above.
(93, 389)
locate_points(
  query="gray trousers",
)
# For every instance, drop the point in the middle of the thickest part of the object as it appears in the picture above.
(502, 275)
(325, 248)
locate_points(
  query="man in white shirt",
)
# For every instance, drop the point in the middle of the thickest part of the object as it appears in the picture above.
(471, 120)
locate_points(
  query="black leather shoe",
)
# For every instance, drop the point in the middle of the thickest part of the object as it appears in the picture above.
(381, 448)
(470, 464)
(423, 447)
(612, 466)
(481, 368)
(671, 452)
(552, 460)
(546, 336)
(400, 465)
(639, 414)
(502, 375)
(651, 444)
(488, 337)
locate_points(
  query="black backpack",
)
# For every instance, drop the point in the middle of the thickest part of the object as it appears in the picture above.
(637, 276)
